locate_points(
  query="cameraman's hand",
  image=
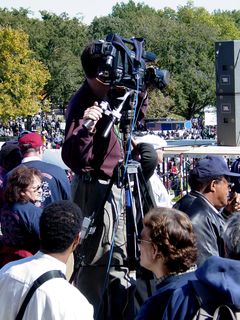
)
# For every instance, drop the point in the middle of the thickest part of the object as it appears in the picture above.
(93, 113)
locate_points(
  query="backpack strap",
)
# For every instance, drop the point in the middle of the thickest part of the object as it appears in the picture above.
(225, 312)
(205, 310)
(36, 284)
(208, 311)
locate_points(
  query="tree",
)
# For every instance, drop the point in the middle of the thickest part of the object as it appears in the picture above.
(184, 44)
(22, 77)
(182, 40)
(57, 41)
(60, 47)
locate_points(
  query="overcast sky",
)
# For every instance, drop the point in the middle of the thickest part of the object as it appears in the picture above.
(88, 9)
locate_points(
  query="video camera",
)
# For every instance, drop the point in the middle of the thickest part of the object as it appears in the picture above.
(126, 63)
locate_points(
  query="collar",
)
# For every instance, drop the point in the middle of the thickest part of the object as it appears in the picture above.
(173, 274)
(57, 263)
(32, 158)
(200, 195)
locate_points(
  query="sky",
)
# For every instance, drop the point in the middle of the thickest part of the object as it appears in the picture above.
(88, 9)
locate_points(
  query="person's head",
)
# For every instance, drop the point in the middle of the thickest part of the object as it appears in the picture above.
(31, 143)
(157, 142)
(92, 63)
(10, 155)
(231, 237)
(168, 243)
(235, 167)
(211, 176)
(60, 226)
(23, 185)
(159, 145)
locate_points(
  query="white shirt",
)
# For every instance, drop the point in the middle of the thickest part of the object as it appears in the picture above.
(55, 299)
(32, 158)
(161, 196)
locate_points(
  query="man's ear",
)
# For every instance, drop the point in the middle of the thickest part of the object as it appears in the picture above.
(76, 241)
(212, 185)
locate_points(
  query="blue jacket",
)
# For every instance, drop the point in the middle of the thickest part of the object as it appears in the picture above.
(154, 307)
(220, 277)
(20, 226)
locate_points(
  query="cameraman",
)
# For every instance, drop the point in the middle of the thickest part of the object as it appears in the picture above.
(93, 158)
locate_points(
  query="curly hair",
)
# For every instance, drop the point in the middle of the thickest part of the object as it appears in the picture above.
(17, 183)
(60, 222)
(172, 232)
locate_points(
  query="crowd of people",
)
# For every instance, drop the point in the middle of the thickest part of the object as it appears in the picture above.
(130, 258)
(195, 133)
(49, 125)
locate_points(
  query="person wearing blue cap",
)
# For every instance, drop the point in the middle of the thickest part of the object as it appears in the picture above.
(211, 177)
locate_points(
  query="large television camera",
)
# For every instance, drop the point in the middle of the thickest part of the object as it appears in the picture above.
(125, 63)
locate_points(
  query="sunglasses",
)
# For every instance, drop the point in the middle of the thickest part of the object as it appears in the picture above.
(35, 189)
(140, 240)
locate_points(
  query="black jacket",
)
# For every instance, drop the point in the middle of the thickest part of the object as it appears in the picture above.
(208, 226)
(186, 201)
(148, 160)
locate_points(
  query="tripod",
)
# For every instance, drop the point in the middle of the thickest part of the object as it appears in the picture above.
(127, 175)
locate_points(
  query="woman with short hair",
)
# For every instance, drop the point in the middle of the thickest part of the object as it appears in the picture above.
(20, 215)
(168, 249)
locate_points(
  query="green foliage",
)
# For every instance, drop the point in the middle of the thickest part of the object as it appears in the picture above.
(57, 41)
(184, 44)
(22, 77)
(60, 46)
(183, 41)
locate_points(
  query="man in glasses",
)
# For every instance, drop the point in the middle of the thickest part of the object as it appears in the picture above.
(211, 177)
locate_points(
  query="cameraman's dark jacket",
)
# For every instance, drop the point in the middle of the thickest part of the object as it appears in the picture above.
(84, 151)
(208, 225)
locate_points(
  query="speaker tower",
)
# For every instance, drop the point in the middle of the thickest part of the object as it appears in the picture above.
(227, 65)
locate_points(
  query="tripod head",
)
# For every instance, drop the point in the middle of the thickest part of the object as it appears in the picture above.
(114, 114)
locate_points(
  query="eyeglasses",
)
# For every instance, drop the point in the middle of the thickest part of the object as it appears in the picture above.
(140, 240)
(35, 189)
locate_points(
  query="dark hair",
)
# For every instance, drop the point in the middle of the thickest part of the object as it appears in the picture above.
(17, 183)
(199, 184)
(60, 222)
(91, 61)
(10, 155)
(231, 237)
(172, 232)
(235, 167)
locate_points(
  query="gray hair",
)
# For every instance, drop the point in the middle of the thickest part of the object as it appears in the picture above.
(231, 237)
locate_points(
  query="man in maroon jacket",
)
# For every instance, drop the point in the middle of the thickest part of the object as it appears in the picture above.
(93, 158)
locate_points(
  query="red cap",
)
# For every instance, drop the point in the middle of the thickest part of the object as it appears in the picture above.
(30, 140)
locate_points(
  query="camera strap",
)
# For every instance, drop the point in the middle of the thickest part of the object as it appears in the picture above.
(137, 43)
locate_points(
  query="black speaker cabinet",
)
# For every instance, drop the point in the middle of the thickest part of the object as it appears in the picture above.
(228, 120)
(228, 92)
(227, 67)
